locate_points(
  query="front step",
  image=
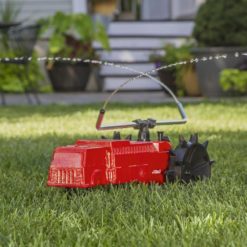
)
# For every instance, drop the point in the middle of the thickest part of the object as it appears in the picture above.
(179, 29)
(140, 43)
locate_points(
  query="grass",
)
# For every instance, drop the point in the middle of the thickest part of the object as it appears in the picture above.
(211, 213)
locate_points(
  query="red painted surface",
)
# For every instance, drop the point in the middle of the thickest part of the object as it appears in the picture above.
(89, 163)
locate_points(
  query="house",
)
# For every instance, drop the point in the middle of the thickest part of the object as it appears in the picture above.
(136, 29)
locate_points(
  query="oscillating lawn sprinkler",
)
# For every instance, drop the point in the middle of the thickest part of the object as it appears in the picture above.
(89, 163)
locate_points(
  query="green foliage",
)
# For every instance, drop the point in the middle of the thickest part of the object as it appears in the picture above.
(204, 214)
(177, 54)
(221, 23)
(13, 76)
(173, 55)
(73, 35)
(234, 79)
(9, 11)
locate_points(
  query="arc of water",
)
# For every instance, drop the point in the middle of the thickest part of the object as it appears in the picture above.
(141, 74)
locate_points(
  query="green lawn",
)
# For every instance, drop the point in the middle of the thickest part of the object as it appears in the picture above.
(212, 213)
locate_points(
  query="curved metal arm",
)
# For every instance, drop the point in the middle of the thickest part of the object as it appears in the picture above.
(102, 111)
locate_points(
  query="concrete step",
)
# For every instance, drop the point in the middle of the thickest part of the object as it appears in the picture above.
(112, 71)
(165, 28)
(140, 43)
(111, 83)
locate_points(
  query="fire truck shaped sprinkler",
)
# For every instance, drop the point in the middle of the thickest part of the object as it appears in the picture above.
(89, 163)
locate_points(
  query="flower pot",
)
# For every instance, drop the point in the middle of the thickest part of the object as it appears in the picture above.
(208, 72)
(190, 83)
(105, 7)
(69, 77)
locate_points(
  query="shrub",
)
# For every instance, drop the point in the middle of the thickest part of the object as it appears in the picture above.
(221, 23)
(234, 79)
(13, 76)
(9, 11)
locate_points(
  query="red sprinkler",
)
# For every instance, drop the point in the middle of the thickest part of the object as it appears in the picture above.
(90, 163)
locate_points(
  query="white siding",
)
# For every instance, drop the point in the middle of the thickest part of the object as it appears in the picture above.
(155, 10)
(32, 10)
(79, 6)
(185, 8)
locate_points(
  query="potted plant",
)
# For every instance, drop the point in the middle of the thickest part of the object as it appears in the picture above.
(180, 79)
(72, 35)
(220, 28)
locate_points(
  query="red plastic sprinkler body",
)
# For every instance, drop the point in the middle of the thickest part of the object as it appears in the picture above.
(89, 163)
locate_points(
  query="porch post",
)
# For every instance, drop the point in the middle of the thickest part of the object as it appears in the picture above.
(79, 6)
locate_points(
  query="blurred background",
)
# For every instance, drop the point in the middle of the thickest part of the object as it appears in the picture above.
(141, 34)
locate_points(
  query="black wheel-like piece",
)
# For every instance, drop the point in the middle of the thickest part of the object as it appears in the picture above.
(189, 161)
